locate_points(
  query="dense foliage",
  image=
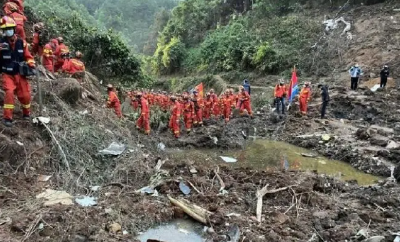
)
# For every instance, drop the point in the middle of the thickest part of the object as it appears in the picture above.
(268, 36)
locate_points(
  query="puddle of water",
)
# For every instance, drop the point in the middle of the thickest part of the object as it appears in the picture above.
(176, 231)
(267, 155)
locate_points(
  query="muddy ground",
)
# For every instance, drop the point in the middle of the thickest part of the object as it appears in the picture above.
(312, 206)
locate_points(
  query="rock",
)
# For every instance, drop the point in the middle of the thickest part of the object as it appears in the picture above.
(320, 214)
(378, 142)
(392, 145)
(375, 239)
(68, 89)
(362, 134)
(397, 173)
(79, 238)
(280, 218)
(114, 228)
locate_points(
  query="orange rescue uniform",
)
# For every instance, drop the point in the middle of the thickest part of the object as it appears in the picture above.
(244, 103)
(113, 102)
(174, 120)
(227, 107)
(14, 82)
(20, 21)
(304, 97)
(47, 58)
(198, 109)
(61, 49)
(144, 120)
(208, 107)
(73, 66)
(188, 114)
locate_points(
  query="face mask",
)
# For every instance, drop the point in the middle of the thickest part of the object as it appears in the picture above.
(9, 32)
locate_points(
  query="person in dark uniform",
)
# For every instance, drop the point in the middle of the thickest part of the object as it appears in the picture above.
(325, 99)
(384, 75)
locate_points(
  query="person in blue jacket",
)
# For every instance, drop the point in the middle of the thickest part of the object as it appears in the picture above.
(355, 73)
(246, 86)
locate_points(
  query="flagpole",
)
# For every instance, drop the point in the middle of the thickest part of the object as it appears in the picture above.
(290, 103)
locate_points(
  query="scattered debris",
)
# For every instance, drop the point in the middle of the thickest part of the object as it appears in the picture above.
(194, 211)
(308, 155)
(86, 201)
(228, 159)
(146, 190)
(161, 146)
(43, 178)
(114, 149)
(54, 197)
(234, 233)
(84, 112)
(7, 220)
(95, 188)
(260, 194)
(375, 239)
(42, 120)
(20, 144)
(184, 188)
(326, 137)
(193, 170)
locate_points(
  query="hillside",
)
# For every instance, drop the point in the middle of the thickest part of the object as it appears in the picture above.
(134, 186)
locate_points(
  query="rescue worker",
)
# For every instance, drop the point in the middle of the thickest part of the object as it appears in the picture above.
(208, 106)
(175, 116)
(144, 120)
(38, 42)
(244, 102)
(113, 101)
(246, 85)
(233, 98)
(74, 65)
(226, 106)
(198, 108)
(19, 3)
(355, 72)
(188, 113)
(47, 58)
(13, 51)
(61, 53)
(216, 105)
(384, 75)
(325, 99)
(280, 95)
(304, 98)
(134, 101)
(19, 19)
(164, 101)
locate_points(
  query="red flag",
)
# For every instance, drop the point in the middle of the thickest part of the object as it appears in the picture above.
(293, 87)
(199, 88)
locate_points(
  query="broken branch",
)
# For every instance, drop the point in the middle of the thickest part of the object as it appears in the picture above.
(260, 194)
(192, 210)
(221, 182)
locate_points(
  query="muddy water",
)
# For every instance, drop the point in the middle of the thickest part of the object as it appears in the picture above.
(176, 231)
(270, 155)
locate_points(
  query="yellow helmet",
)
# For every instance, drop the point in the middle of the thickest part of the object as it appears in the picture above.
(7, 22)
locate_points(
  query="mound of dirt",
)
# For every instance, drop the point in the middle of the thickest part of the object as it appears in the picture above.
(68, 89)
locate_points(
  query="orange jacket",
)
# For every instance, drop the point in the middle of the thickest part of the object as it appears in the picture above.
(48, 56)
(61, 49)
(243, 97)
(112, 100)
(18, 18)
(208, 103)
(226, 101)
(176, 110)
(144, 106)
(305, 93)
(73, 66)
(188, 107)
(280, 91)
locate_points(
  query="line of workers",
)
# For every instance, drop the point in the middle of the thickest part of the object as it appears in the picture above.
(192, 108)
(17, 59)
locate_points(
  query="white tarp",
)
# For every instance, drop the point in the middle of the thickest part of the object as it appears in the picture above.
(113, 149)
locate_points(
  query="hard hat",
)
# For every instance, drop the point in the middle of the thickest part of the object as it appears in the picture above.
(241, 88)
(211, 90)
(385, 66)
(109, 86)
(13, 7)
(7, 22)
(208, 94)
(78, 54)
(282, 82)
(139, 94)
(307, 83)
(173, 97)
(356, 65)
(60, 39)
